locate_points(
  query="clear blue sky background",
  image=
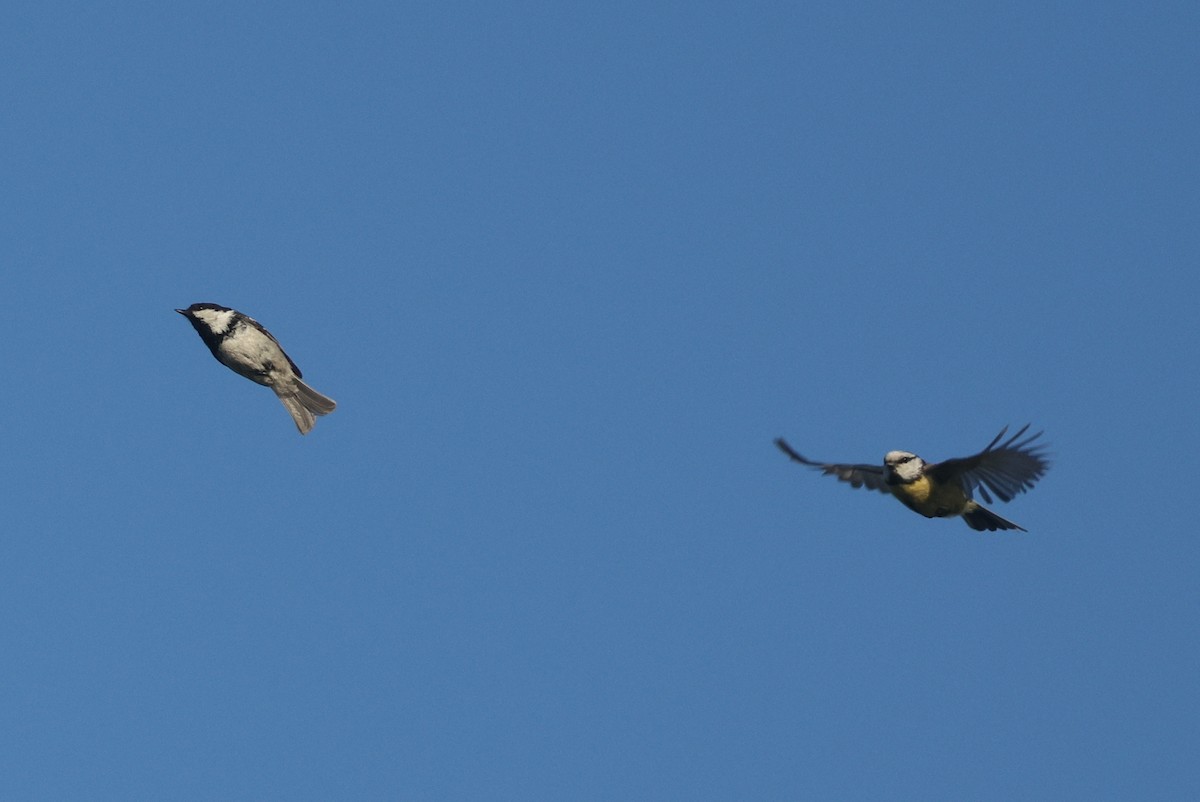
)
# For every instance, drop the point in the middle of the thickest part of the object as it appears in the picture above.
(568, 268)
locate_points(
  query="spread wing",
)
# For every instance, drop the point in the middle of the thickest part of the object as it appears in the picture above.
(868, 476)
(1006, 469)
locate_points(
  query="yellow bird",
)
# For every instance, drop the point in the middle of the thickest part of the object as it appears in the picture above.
(946, 489)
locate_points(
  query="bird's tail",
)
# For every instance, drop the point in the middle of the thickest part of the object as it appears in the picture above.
(982, 519)
(304, 404)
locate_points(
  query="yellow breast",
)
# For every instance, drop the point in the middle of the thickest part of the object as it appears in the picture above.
(932, 501)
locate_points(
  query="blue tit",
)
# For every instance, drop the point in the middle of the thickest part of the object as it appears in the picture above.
(947, 489)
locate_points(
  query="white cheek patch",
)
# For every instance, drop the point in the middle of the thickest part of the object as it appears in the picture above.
(905, 465)
(218, 321)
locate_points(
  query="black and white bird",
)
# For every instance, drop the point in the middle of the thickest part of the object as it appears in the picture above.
(946, 489)
(241, 344)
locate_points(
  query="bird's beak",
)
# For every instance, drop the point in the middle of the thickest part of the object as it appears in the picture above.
(182, 312)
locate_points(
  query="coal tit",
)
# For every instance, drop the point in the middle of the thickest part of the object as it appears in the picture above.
(241, 344)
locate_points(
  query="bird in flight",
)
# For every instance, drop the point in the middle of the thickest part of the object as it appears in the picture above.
(240, 343)
(946, 489)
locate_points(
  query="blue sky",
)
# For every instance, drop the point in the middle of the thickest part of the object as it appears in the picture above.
(567, 270)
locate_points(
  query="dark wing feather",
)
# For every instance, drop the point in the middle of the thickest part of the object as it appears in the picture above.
(1006, 469)
(868, 476)
(260, 327)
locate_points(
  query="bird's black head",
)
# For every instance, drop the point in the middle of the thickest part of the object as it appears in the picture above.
(194, 308)
(211, 321)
